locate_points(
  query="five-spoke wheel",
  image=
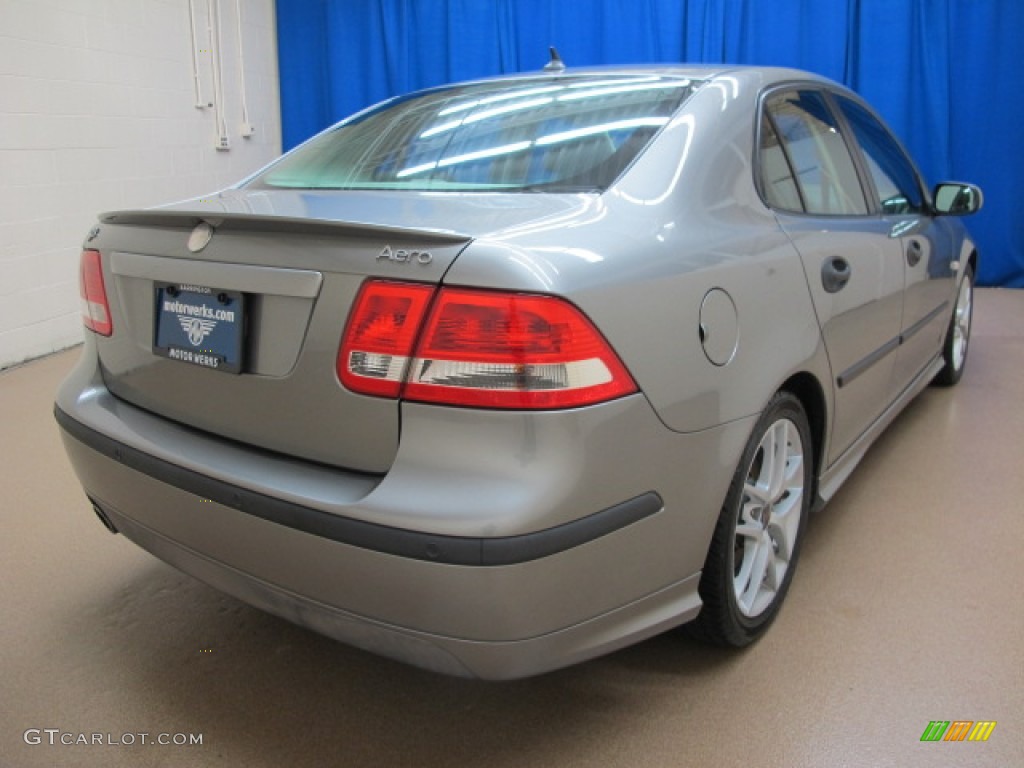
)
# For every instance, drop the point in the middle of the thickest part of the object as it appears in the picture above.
(757, 538)
(769, 518)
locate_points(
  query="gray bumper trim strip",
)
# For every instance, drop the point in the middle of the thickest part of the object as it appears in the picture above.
(451, 550)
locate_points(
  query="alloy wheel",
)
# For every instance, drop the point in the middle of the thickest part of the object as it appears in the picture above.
(768, 518)
(962, 321)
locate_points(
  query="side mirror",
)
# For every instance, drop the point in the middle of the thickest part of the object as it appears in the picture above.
(956, 199)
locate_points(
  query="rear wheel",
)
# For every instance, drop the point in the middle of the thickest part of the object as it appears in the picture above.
(754, 549)
(958, 336)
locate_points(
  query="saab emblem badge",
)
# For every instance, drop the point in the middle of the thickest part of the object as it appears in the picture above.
(200, 237)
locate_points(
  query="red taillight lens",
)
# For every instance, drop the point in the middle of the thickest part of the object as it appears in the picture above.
(95, 307)
(504, 350)
(477, 348)
(378, 341)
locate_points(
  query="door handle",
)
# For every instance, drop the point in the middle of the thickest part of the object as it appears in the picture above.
(914, 252)
(835, 273)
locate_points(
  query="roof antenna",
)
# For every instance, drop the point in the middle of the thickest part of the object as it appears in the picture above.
(556, 64)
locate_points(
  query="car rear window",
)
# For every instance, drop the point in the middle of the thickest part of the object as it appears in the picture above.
(563, 134)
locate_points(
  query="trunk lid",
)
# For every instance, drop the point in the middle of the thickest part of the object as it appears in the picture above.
(286, 266)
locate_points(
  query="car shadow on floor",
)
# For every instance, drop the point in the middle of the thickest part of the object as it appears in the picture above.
(200, 661)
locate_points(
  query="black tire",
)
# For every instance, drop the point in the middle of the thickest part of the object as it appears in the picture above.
(958, 334)
(723, 620)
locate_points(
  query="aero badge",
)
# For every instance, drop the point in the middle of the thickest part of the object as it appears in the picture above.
(402, 256)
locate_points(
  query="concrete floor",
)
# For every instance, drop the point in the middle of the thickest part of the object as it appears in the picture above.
(907, 608)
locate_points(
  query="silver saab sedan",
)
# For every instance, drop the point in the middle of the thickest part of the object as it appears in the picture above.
(497, 377)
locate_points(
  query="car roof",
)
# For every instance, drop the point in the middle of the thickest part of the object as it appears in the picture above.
(766, 75)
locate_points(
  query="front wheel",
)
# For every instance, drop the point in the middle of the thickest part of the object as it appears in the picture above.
(958, 335)
(754, 550)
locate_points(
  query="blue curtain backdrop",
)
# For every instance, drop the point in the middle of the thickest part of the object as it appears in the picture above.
(945, 74)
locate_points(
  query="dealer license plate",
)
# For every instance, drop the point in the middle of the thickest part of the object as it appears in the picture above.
(199, 326)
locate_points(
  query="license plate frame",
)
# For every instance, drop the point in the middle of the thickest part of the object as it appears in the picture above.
(200, 326)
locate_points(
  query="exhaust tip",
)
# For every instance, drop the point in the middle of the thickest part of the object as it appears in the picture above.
(103, 517)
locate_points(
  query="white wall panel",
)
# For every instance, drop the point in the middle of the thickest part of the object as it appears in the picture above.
(97, 112)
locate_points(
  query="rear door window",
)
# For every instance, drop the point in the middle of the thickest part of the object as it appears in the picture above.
(817, 155)
(777, 181)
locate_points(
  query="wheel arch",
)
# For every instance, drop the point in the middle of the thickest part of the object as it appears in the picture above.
(972, 260)
(806, 388)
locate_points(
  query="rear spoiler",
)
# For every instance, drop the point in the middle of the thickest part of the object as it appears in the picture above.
(251, 222)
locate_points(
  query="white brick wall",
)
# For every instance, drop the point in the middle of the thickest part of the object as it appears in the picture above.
(97, 112)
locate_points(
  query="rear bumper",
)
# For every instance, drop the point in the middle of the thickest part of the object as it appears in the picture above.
(561, 556)
(489, 660)
(449, 550)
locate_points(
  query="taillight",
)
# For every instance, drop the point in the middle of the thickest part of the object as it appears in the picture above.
(478, 348)
(95, 307)
(381, 331)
